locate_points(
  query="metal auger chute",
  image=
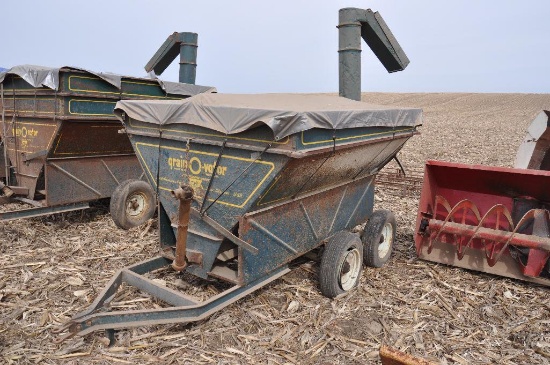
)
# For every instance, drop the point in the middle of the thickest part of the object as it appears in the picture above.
(490, 219)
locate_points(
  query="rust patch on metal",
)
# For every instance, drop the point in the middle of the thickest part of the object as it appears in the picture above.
(397, 183)
(391, 356)
(194, 257)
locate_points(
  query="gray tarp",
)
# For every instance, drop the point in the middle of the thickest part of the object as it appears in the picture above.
(39, 76)
(285, 114)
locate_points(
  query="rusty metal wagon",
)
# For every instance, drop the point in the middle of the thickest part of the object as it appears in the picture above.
(61, 143)
(246, 184)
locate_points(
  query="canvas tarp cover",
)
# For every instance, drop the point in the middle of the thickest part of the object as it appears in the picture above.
(38, 76)
(285, 114)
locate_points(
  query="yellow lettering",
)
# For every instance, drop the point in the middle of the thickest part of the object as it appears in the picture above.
(196, 183)
(24, 132)
(196, 166)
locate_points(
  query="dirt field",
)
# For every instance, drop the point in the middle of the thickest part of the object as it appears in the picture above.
(52, 268)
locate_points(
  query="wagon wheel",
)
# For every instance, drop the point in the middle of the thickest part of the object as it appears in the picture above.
(341, 264)
(378, 237)
(132, 203)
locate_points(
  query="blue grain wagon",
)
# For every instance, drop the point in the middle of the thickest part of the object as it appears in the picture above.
(246, 184)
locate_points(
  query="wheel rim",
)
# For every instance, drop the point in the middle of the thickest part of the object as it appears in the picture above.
(350, 269)
(385, 240)
(136, 204)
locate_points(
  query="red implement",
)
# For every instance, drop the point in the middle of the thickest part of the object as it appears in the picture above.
(490, 219)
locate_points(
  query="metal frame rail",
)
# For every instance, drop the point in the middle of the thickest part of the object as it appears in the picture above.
(184, 308)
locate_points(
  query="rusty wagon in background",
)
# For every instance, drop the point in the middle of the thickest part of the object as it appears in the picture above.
(61, 142)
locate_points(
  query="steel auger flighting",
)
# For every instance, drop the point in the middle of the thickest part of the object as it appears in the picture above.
(490, 219)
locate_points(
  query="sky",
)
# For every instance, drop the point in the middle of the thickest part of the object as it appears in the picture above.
(258, 46)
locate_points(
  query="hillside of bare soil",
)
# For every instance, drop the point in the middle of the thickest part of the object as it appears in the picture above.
(51, 268)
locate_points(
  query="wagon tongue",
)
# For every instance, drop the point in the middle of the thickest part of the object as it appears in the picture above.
(490, 219)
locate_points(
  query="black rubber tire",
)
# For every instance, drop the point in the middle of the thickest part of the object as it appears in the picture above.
(374, 235)
(122, 213)
(340, 247)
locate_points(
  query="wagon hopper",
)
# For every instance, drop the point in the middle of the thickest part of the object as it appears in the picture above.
(266, 178)
(61, 142)
(248, 183)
